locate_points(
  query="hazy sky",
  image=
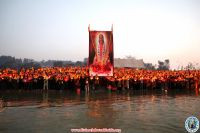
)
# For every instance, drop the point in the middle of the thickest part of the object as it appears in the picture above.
(58, 29)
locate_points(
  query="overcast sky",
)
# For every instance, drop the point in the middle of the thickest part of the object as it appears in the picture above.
(151, 30)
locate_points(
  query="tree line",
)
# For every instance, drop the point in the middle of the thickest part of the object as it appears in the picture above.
(18, 63)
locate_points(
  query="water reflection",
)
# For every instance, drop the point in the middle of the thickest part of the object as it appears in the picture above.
(2, 105)
(44, 103)
(153, 111)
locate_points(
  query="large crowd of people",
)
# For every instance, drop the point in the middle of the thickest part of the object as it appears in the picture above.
(72, 78)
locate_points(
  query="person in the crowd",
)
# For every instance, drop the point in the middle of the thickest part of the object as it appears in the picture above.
(82, 83)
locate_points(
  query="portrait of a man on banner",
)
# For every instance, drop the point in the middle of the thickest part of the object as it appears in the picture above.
(100, 53)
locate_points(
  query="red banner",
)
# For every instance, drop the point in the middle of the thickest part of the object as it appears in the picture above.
(100, 53)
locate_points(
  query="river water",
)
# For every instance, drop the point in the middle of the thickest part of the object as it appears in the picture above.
(136, 111)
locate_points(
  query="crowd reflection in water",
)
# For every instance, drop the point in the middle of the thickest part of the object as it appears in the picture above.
(72, 78)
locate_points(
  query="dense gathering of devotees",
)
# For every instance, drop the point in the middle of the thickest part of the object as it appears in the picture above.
(72, 78)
